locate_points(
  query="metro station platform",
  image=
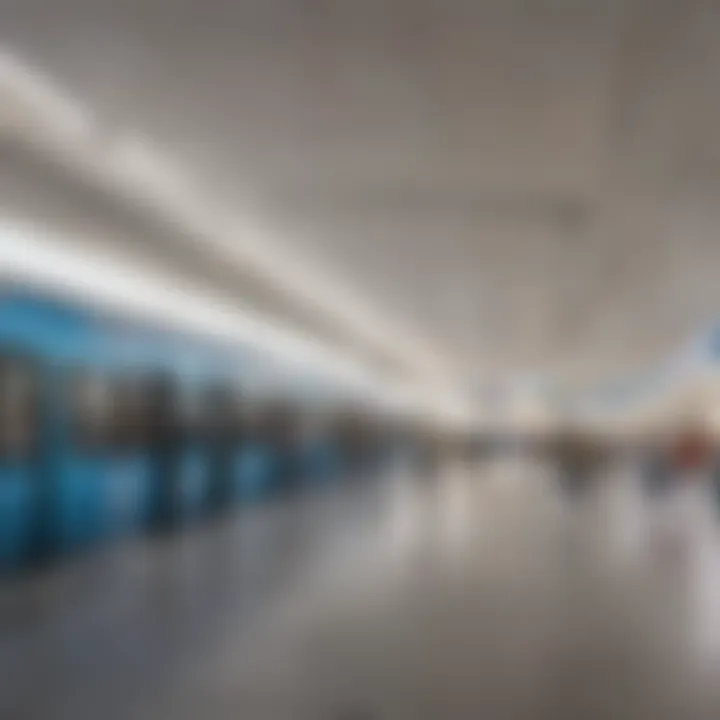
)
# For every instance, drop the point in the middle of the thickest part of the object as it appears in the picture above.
(483, 593)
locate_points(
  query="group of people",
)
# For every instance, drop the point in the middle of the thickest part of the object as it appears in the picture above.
(689, 454)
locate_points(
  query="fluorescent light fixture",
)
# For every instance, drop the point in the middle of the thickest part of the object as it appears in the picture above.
(132, 166)
(29, 102)
(33, 255)
(28, 255)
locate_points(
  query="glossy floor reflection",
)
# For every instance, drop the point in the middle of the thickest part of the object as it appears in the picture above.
(480, 594)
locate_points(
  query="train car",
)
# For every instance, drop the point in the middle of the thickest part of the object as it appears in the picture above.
(20, 456)
(50, 493)
(108, 426)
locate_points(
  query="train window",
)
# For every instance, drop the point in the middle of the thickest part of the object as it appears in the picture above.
(132, 417)
(162, 409)
(280, 425)
(94, 410)
(121, 412)
(18, 407)
(222, 409)
(193, 413)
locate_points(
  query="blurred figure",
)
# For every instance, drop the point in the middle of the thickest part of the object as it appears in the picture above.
(678, 456)
(579, 456)
(655, 467)
(692, 451)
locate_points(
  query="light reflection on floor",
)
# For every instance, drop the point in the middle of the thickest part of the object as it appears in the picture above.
(482, 593)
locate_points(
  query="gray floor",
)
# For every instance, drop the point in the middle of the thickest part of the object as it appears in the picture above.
(481, 595)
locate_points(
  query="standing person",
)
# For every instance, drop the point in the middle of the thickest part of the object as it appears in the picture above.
(692, 456)
(579, 457)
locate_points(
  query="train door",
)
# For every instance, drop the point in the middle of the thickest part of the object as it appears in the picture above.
(20, 477)
(165, 449)
(282, 432)
(222, 407)
(101, 475)
(137, 457)
(320, 458)
(196, 449)
(127, 471)
(57, 336)
(82, 452)
(255, 470)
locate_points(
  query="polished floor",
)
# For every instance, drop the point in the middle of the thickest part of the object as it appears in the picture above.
(481, 594)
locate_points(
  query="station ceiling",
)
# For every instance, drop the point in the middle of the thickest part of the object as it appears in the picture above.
(525, 187)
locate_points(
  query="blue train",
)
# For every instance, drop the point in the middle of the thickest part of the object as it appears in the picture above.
(108, 427)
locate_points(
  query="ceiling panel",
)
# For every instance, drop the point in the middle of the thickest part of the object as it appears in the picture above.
(527, 185)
